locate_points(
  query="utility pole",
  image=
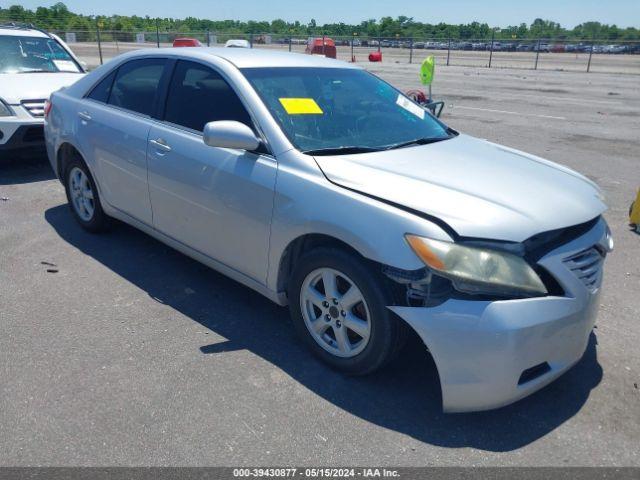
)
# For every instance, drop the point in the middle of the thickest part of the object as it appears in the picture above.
(411, 50)
(99, 43)
(493, 36)
(157, 32)
(590, 54)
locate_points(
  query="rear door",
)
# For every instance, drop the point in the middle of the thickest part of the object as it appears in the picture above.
(114, 123)
(217, 201)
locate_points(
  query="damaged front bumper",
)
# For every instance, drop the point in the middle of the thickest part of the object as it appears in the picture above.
(492, 353)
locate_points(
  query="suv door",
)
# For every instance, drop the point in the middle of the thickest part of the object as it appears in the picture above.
(217, 201)
(114, 123)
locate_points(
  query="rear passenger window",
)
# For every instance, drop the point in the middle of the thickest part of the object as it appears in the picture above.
(136, 85)
(198, 95)
(101, 91)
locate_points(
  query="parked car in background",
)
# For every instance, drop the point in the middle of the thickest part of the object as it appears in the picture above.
(237, 43)
(33, 63)
(186, 42)
(616, 49)
(542, 47)
(493, 256)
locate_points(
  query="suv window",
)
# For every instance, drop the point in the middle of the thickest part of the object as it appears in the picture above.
(198, 95)
(24, 54)
(136, 85)
(101, 91)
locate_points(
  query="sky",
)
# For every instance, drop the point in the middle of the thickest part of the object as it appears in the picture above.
(624, 13)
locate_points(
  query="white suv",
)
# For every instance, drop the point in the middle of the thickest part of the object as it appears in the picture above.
(33, 64)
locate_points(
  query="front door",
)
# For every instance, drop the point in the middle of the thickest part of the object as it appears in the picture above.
(217, 201)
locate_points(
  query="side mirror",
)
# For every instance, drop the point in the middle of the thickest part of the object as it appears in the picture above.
(230, 134)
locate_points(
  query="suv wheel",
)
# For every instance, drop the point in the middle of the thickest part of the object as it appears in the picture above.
(339, 307)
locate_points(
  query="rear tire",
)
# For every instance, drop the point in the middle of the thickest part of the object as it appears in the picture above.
(346, 324)
(83, 197)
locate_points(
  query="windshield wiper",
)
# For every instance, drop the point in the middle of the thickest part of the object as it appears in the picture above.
(417, 141)
(345, 150)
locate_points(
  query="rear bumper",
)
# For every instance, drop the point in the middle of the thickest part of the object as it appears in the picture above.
(485, 351)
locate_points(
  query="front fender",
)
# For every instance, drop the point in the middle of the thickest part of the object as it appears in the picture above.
(307, 203)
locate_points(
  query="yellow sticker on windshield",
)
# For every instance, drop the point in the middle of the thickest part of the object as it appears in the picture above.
(301, 106)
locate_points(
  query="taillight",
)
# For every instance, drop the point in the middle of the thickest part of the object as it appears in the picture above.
(47, 108)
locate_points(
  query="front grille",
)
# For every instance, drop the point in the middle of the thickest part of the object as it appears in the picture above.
(34, 107)
(34, 134)
(587, 266)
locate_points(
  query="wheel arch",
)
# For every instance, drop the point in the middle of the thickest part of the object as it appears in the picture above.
(66, 151)
(305, 243)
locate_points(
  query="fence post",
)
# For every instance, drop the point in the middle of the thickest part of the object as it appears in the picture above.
(411, 50)
(157, 33)
(251, 40)
(99, 43)
(448, 51)
(208, 38)
(590, 55)
(537, 54)
(493, 36)
(290, 40)
(379, 44)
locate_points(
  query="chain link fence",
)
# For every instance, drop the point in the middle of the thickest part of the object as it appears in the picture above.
(96, 47)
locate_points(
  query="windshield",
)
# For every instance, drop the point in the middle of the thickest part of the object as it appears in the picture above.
(34, 54)
(342, 110)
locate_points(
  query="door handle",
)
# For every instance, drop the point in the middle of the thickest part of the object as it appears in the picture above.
(84, 116)
(160, 144)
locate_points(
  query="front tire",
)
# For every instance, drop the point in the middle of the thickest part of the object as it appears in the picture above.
(338, 305)
(83, 197)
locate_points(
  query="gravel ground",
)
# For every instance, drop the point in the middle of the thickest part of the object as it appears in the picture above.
(117, 350)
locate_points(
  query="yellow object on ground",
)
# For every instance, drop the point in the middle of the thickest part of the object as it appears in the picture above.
(634, 216)
(301, 106)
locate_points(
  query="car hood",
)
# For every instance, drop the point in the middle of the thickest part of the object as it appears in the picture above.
(478, 188)
(31, 86)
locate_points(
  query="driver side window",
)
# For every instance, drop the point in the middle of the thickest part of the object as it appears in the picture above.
(198, 95)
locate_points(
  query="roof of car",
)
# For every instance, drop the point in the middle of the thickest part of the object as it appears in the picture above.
(253, 57)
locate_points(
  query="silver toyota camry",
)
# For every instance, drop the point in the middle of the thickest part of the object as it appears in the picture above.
(326, 189)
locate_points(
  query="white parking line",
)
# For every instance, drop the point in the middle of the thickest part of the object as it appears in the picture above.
(510, 113)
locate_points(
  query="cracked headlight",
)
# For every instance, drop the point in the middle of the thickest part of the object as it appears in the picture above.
(478, 270)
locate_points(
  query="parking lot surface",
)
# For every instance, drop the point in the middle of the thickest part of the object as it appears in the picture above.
(118, 350)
